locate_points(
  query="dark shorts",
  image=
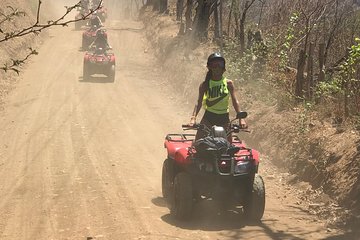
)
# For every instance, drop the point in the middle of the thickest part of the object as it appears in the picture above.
(210, 119)
(216, 119)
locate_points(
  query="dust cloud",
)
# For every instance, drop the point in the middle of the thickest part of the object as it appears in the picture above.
(122, 10)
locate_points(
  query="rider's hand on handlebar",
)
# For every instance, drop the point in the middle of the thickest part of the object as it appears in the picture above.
(243, 124)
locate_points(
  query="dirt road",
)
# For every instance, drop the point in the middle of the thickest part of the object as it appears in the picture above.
(82, 159)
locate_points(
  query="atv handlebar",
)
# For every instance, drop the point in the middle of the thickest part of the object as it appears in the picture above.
(232, 127)
(198, 126)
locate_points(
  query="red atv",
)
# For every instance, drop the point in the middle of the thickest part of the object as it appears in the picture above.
(212, 168)
(89, 36)
(99, 62)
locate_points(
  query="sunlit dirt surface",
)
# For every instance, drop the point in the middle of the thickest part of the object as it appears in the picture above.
(81, 159)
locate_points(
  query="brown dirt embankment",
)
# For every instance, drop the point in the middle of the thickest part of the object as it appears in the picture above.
(18, 48)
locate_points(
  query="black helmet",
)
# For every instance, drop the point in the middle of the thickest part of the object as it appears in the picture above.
(215, 56)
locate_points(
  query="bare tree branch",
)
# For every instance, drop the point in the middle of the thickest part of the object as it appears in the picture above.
(16, 63)
(37, 27)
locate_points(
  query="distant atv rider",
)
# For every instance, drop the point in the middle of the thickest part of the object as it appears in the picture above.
(214, 96)
(100, 41)
(95, 21)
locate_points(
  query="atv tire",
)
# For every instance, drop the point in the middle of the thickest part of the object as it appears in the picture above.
(182, 202)
(255, 203)
(166, 183)
(112, 73)
(86, 72)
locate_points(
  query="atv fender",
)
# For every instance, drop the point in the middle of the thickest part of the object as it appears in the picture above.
(182, 156)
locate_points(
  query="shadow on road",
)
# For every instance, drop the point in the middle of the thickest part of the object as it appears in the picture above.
(208, 217)
(96, 79)
(159, 201)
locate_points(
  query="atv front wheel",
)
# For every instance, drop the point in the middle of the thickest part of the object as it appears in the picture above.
(255, 203)
(86, 72)
(182, 203)
(165, 179)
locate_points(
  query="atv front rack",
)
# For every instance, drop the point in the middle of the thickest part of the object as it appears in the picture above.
(179, 137)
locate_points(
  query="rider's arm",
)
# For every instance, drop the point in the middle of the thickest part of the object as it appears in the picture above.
(235, 101)
(200, 98)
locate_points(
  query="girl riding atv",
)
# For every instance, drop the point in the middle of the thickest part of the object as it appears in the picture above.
(95, 21)
(100, 41)
(214, 96)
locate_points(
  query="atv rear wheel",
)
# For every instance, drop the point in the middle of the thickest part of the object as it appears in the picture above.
(112, 73)
(255, 203)
(182, 202)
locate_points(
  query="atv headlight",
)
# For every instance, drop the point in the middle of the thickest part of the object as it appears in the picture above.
(242, 167)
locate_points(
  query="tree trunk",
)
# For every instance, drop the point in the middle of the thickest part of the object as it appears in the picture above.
(155, 4)
(163, 6)
(202, 19)
(242, 33)
(321, 63)
(242, 26)
(261, 13)
(299, 87)
(229, 21)
(310, 74)
(179, 9)
(217, 21)
(188, 21)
